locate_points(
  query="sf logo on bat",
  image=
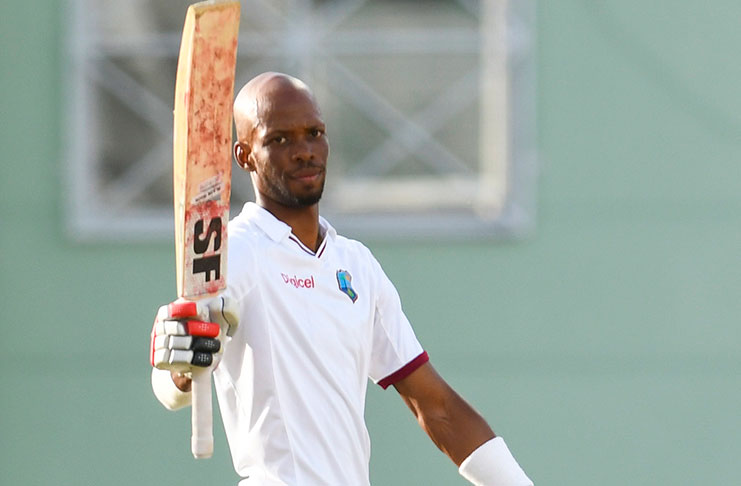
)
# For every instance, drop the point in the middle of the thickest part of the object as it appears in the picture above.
(208, 265)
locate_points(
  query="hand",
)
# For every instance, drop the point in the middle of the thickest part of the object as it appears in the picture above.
(187, 334)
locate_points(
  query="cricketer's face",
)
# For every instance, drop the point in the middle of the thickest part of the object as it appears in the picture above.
(289, 148)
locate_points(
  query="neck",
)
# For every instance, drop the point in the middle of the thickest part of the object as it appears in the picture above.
(304, 222)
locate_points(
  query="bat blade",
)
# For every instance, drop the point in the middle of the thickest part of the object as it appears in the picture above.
(202, 131)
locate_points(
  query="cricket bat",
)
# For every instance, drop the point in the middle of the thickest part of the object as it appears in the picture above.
(202, 140)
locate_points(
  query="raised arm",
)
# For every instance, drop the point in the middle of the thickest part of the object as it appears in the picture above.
(459, 431)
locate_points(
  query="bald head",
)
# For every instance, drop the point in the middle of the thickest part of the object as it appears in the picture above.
(260, 95)
(281, 141)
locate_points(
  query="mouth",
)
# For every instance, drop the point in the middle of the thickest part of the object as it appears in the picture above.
(308, 174)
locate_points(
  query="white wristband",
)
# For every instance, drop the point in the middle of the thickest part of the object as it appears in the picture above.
(493, 465)
(166, 392)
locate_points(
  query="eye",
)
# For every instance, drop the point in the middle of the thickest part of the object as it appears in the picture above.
(317, 132)
(279, 139)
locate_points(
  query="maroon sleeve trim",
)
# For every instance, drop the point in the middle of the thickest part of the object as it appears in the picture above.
(405, 370)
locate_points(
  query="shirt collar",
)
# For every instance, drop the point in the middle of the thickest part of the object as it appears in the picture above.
(276, 229)
(326, 229)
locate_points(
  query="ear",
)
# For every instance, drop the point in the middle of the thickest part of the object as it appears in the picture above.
(242, 156)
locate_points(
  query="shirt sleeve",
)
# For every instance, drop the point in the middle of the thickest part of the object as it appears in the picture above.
(396, 351)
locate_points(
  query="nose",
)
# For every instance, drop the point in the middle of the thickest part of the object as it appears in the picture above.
(303, 152)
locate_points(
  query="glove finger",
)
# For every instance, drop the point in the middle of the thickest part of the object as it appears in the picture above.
(180, 359)
(181, 309)
(201, 359)
(206, 345)
(171, 328)
(165, 358)
(203, 329)
(185, 343)
(187, 328)
(173, 342)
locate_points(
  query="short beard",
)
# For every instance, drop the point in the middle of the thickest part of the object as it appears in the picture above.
(279, 193)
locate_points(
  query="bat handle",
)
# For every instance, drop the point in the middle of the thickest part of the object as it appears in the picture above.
(202, 440)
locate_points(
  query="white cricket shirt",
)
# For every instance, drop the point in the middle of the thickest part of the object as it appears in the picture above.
(313, 329)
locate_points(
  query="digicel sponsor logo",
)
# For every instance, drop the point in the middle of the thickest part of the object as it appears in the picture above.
(299, 283)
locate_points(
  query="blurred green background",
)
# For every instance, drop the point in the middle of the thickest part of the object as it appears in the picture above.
(604, 347)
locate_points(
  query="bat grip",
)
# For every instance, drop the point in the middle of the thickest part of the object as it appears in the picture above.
(202, 440)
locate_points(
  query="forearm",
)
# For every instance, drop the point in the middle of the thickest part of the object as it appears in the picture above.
(455, 427)
(459, 431)
(482, 458)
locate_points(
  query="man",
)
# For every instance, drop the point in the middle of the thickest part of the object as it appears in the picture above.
(317, 317)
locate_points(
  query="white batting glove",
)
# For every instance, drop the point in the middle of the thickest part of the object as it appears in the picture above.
(187, 334)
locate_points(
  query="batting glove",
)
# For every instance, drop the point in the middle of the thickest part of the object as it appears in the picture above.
(187, 334)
